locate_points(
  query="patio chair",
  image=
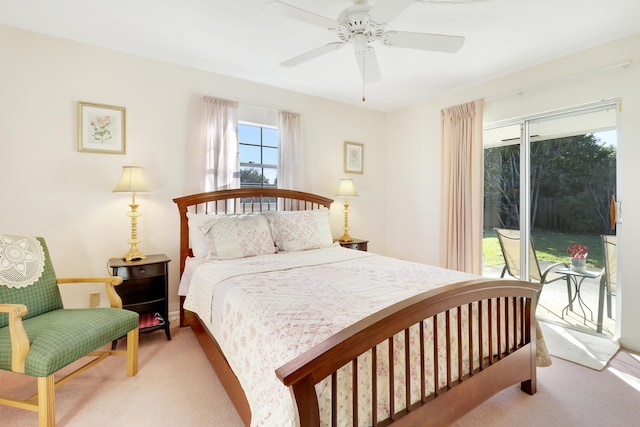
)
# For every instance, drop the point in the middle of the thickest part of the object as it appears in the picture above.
(510, 245)
(608, 278)
(38, 337)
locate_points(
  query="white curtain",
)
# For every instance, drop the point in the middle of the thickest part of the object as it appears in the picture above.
(462, 187)
(220, 133)
(289, 151)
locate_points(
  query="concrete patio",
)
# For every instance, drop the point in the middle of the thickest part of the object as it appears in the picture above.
(554, 298)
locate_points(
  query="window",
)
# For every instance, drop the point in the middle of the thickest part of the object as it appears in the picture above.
(258, 155)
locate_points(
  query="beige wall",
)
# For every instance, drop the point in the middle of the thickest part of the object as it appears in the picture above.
(50, 189)
(414, 153)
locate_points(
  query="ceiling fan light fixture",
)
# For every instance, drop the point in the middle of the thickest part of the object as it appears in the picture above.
(360, 43)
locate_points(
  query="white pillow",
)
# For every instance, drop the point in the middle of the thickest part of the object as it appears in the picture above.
(301, 230)
(198, 239)
(238, 236)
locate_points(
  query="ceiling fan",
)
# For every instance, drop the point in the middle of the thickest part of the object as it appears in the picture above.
(361, 25)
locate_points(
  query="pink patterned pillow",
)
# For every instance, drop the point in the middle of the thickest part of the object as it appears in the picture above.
(238, 236)
(197, 239)
(301, 230)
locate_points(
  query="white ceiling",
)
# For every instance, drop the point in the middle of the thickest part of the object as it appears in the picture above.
(237, 38)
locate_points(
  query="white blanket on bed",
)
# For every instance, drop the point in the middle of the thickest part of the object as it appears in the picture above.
(266, 310)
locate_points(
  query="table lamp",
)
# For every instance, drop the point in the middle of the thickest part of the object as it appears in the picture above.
(346, 190)
(133, 181)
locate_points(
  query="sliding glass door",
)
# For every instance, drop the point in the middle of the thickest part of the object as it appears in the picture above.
(550, 179)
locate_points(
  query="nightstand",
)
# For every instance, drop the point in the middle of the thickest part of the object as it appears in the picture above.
(144, 289)
(358, 244)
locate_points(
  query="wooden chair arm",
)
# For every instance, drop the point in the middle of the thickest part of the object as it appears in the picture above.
(109, 283)
(19, 340)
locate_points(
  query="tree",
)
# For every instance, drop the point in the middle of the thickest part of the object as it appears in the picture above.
(576, 173)
(252, 177)
(502, 184)
(585, 179)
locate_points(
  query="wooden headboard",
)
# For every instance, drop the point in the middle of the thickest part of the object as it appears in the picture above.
(240, 200)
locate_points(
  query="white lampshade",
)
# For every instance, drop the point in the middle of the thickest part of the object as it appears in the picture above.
(347, 189)
(132, 180)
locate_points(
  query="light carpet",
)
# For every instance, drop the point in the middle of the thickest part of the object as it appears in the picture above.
(590, 350)
(175, 386)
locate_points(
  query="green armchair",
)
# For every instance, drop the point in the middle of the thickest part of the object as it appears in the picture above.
(38, 336)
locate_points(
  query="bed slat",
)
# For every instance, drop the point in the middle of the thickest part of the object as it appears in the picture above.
(460, 353)
(374, 386)
(407, 368)
(354, 391)
(391, 379)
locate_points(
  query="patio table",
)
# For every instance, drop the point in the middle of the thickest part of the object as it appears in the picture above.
(576, 278)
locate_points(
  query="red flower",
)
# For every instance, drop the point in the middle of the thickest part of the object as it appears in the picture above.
(577, 251)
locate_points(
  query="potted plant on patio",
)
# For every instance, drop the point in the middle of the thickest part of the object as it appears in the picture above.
(578, 254)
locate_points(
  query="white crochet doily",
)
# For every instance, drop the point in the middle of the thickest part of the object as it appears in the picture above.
(21, 260)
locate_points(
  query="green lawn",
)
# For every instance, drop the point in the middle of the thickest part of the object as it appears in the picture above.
(549, 246)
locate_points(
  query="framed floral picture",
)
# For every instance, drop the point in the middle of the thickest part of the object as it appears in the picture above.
(101, 128)
(353, 157)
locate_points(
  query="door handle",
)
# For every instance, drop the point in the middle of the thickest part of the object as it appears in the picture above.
(615, 212)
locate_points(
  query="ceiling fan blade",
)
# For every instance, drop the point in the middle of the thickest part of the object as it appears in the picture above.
(293, 12)
(423, 41)
(368, 63)
(385, 10)
(313, 53)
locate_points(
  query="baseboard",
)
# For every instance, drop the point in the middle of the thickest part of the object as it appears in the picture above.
(628, 344)
(174, 316)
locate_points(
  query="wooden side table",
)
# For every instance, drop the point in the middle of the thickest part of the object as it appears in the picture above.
(145, 290)
(357, 244)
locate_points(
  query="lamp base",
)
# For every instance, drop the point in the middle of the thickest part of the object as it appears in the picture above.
(134, 254)
(345, 238)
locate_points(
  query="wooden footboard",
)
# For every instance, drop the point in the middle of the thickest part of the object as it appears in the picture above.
(506, 319)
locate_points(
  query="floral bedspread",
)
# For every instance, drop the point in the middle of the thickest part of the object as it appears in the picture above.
(266, 310)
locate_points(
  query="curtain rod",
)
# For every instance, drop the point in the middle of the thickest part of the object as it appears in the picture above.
(262, 107)
(247, 104)
(520, 91)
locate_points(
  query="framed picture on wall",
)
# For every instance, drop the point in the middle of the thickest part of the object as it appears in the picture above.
(101, 128)
(353, 157)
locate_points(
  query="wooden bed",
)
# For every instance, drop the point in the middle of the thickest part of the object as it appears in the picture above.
(510, 333)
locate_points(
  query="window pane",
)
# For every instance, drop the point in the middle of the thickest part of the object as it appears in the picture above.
(258, 147)
(250, 154)
(271, 177)
(248, 134)
(250, 177)
(270, 137)
(270, 156)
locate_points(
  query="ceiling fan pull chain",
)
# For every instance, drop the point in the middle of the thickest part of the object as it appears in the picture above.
(363, 69)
